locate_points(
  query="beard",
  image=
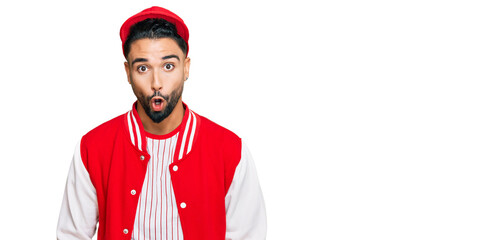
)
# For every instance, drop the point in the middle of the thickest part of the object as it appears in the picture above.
(171, 101)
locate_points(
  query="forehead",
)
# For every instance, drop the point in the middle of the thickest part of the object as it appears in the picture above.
(154, 48)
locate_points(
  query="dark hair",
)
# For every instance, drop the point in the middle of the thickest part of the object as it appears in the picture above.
(153, 28)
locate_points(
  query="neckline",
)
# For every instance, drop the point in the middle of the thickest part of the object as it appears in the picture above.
(168, 135)
(165, 136)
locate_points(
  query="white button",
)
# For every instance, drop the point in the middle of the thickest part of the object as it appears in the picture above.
(183, 205)
(125, 231)
(175, 168)
(142, 157)
(133, 192)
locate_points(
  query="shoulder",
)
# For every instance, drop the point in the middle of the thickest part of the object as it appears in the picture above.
(216, 131)
(220, 141)
(223, 143)
(105, 131)
(98, 143)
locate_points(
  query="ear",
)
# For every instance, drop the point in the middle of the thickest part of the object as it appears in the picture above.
(186, 68)
(126, 67)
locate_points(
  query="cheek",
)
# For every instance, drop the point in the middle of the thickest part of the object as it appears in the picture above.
(135, 90)
(172, 80)
(137, 87)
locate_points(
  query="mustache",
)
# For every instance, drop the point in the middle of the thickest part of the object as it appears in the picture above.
(158, 94)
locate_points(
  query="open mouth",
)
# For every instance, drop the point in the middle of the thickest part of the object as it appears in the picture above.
(157, 103)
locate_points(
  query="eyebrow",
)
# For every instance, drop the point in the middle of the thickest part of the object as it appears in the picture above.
(171, 56)
(139, 60)
(146, 60)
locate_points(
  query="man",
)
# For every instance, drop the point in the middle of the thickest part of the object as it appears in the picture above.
(161, 171)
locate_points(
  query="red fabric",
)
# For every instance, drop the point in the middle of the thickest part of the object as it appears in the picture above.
(202, 180)
(155, 12)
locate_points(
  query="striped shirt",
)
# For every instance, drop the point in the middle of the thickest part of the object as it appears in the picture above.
(157, 214)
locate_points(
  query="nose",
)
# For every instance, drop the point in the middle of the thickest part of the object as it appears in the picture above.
(156, 81)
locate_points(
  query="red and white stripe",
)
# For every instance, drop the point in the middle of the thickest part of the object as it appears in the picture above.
(157, 214)
(134, 130)
(188, 135)
(188, 128)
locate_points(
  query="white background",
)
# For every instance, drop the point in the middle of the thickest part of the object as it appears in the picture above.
(366, 119)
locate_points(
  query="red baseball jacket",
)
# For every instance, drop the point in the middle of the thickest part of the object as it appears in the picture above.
(213, 178)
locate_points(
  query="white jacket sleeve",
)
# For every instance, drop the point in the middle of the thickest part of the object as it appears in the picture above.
(79, 210)
(244, 203)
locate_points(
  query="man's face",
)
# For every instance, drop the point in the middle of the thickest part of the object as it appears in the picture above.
(157, 69)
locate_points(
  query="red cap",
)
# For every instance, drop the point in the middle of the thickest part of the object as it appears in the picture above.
(155, 12)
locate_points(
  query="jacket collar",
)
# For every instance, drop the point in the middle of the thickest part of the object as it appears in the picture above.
(186, 137)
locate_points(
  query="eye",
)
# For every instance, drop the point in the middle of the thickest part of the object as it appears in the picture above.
(169, 66)
(142, 68)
